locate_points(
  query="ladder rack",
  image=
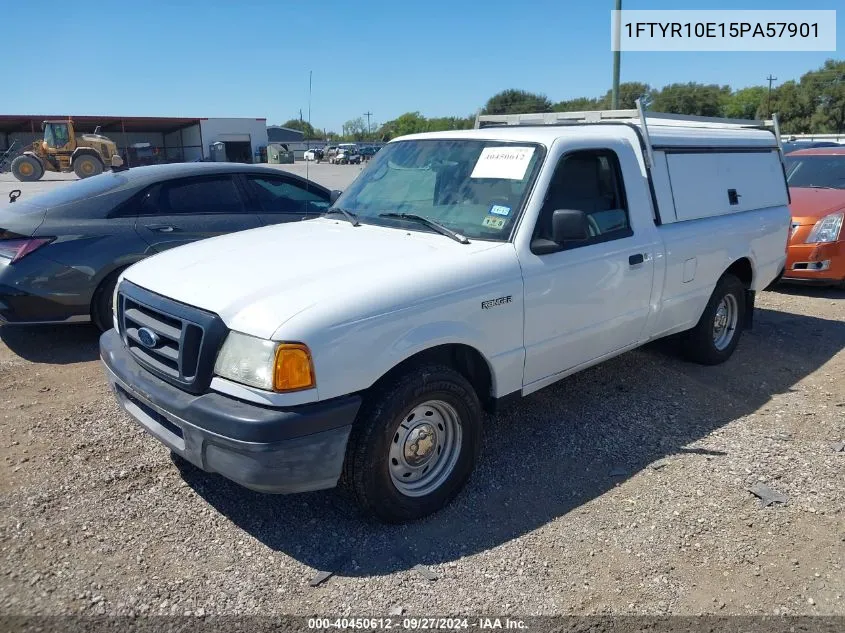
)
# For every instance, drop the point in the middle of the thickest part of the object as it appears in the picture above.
(637, 115)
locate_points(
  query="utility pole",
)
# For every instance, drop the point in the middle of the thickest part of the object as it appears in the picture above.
(617, 25)
(368, 114)
(770, 79)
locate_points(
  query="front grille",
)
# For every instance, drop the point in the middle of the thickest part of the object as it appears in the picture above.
(178, 343)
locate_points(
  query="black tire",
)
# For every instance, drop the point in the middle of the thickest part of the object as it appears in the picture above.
(87, 165)
(27, 168)
(699, 343)
(377, 427)
(101, 304)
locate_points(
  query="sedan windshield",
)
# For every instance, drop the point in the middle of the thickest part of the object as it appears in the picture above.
(826, 171)
(475, 188)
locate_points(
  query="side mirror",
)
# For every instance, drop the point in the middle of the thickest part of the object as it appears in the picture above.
(334, 195)
(569, 225)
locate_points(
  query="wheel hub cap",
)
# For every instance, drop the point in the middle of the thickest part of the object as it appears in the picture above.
(419, 447)
(725, 322)
(425, 448)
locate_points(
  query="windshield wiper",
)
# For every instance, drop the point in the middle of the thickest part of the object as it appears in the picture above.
(353, 219)
(429, 223)
(820, 187)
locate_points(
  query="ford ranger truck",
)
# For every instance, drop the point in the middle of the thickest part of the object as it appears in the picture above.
(458, 270)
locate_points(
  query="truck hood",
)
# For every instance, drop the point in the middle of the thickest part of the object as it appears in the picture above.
(809, 205)
(257, 280)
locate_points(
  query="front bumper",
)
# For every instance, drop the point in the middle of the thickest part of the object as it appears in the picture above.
(265, 449)
(819, 263)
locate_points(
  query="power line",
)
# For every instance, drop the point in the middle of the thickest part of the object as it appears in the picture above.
(368, 114)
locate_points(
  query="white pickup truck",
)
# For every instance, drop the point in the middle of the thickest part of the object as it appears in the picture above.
(458, 270)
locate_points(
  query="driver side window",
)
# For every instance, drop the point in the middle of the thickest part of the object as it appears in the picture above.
(588, 181)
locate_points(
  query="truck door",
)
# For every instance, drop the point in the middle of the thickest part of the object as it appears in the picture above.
(589, 298)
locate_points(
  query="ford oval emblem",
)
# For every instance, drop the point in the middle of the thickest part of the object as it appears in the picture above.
(147, 337)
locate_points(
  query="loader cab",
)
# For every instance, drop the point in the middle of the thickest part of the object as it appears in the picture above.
(58, 135)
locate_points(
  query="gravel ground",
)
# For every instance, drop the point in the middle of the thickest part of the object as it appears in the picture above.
(622, 489)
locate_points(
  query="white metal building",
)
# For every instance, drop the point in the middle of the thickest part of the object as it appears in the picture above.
(174, 138)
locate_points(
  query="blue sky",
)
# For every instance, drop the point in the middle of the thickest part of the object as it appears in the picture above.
(251, 58)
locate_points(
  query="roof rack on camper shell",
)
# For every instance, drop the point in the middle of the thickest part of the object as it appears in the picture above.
(637, 116)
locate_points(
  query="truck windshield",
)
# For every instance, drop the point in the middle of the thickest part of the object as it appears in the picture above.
(476, 188)
(826, 171)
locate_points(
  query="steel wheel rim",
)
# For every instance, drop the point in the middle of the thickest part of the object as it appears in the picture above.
(425, 448)
(725, 321)
(26, 169)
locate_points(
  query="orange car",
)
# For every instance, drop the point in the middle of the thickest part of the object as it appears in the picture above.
(816, 251)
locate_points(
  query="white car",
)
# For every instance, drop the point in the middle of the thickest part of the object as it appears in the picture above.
(346, 156)
(459, 270)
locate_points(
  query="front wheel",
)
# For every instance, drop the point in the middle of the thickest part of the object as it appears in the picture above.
(414, 444)
(715, 337)
(86, 166)
(102, 314)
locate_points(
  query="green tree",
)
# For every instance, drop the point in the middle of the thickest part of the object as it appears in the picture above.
(303, 126)
(440, 124)
(691, 98)
(355, 129)
(578, 104)
(744, 103)
(792, 106)
(414, 123)
(629, 92)
(825, 93)
(516, 102)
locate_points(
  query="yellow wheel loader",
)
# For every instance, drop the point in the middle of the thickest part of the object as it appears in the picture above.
(63, 150)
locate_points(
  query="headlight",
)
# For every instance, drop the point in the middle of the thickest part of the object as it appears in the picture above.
(265, 364)
(827, 229)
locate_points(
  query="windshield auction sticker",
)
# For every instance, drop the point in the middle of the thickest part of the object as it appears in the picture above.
(509, 163)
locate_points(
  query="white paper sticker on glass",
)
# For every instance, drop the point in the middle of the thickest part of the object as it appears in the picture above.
(509, 163)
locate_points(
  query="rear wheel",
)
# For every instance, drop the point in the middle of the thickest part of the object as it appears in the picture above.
(414, 444)
(86, 165)
(27, 168)
(715, 337)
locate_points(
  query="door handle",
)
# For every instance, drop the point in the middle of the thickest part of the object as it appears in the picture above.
(161, 228)
(634, 260)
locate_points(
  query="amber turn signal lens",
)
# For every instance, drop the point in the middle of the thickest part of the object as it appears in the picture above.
(293, 369)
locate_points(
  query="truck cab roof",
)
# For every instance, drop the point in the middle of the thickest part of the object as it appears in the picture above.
(661, 134)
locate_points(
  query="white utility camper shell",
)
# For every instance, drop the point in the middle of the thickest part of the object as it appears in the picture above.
(700, 166)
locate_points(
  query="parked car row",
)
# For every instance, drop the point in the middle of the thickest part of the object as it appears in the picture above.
(347, 154)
